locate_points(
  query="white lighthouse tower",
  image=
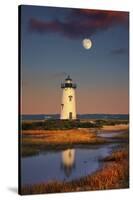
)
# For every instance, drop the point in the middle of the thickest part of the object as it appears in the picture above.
(68, 104)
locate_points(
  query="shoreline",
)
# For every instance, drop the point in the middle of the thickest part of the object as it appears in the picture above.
(32, 140)
(118, 127)
(115, 166)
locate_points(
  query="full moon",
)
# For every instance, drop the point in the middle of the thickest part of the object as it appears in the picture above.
(87, 43)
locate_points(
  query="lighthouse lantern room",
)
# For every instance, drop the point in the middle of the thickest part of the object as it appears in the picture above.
(68, 104)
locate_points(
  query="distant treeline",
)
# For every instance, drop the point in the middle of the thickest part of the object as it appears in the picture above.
(53, 124)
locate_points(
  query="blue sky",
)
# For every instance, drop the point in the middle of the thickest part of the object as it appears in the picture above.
(51, 48)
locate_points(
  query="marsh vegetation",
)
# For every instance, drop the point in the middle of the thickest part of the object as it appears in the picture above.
(55, 124)
(105, 147)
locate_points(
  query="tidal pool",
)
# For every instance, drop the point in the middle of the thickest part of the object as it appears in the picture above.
(63, 165)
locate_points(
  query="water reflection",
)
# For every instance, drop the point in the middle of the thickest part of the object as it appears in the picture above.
(68, 161)
(60, 165)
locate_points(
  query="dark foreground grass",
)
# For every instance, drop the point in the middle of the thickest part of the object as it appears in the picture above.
(113, 175)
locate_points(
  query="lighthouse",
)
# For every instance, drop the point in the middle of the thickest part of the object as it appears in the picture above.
(68, 103)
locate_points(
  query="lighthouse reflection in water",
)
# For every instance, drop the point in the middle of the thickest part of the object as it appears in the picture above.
(68, 161)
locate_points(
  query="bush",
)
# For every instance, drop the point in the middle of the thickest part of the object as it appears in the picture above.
(57, 124)
(53, 124)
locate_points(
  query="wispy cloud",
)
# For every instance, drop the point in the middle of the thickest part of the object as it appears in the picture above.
(119, 51)
(59, 75)
(80, 23)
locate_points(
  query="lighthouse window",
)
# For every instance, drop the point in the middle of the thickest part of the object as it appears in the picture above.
(62, 105)
(70, 98)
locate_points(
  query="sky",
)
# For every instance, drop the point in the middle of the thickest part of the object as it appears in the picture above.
(51, 49)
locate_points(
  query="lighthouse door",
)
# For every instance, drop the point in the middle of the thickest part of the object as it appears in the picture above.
(70, 115)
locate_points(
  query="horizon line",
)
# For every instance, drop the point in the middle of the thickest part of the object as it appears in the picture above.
(77, 114)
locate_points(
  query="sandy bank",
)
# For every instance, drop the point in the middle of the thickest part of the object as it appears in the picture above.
(120, 127)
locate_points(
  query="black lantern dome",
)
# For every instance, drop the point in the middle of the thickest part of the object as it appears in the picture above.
(68, 83)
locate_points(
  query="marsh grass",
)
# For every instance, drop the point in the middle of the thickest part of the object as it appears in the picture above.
(34, 141)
